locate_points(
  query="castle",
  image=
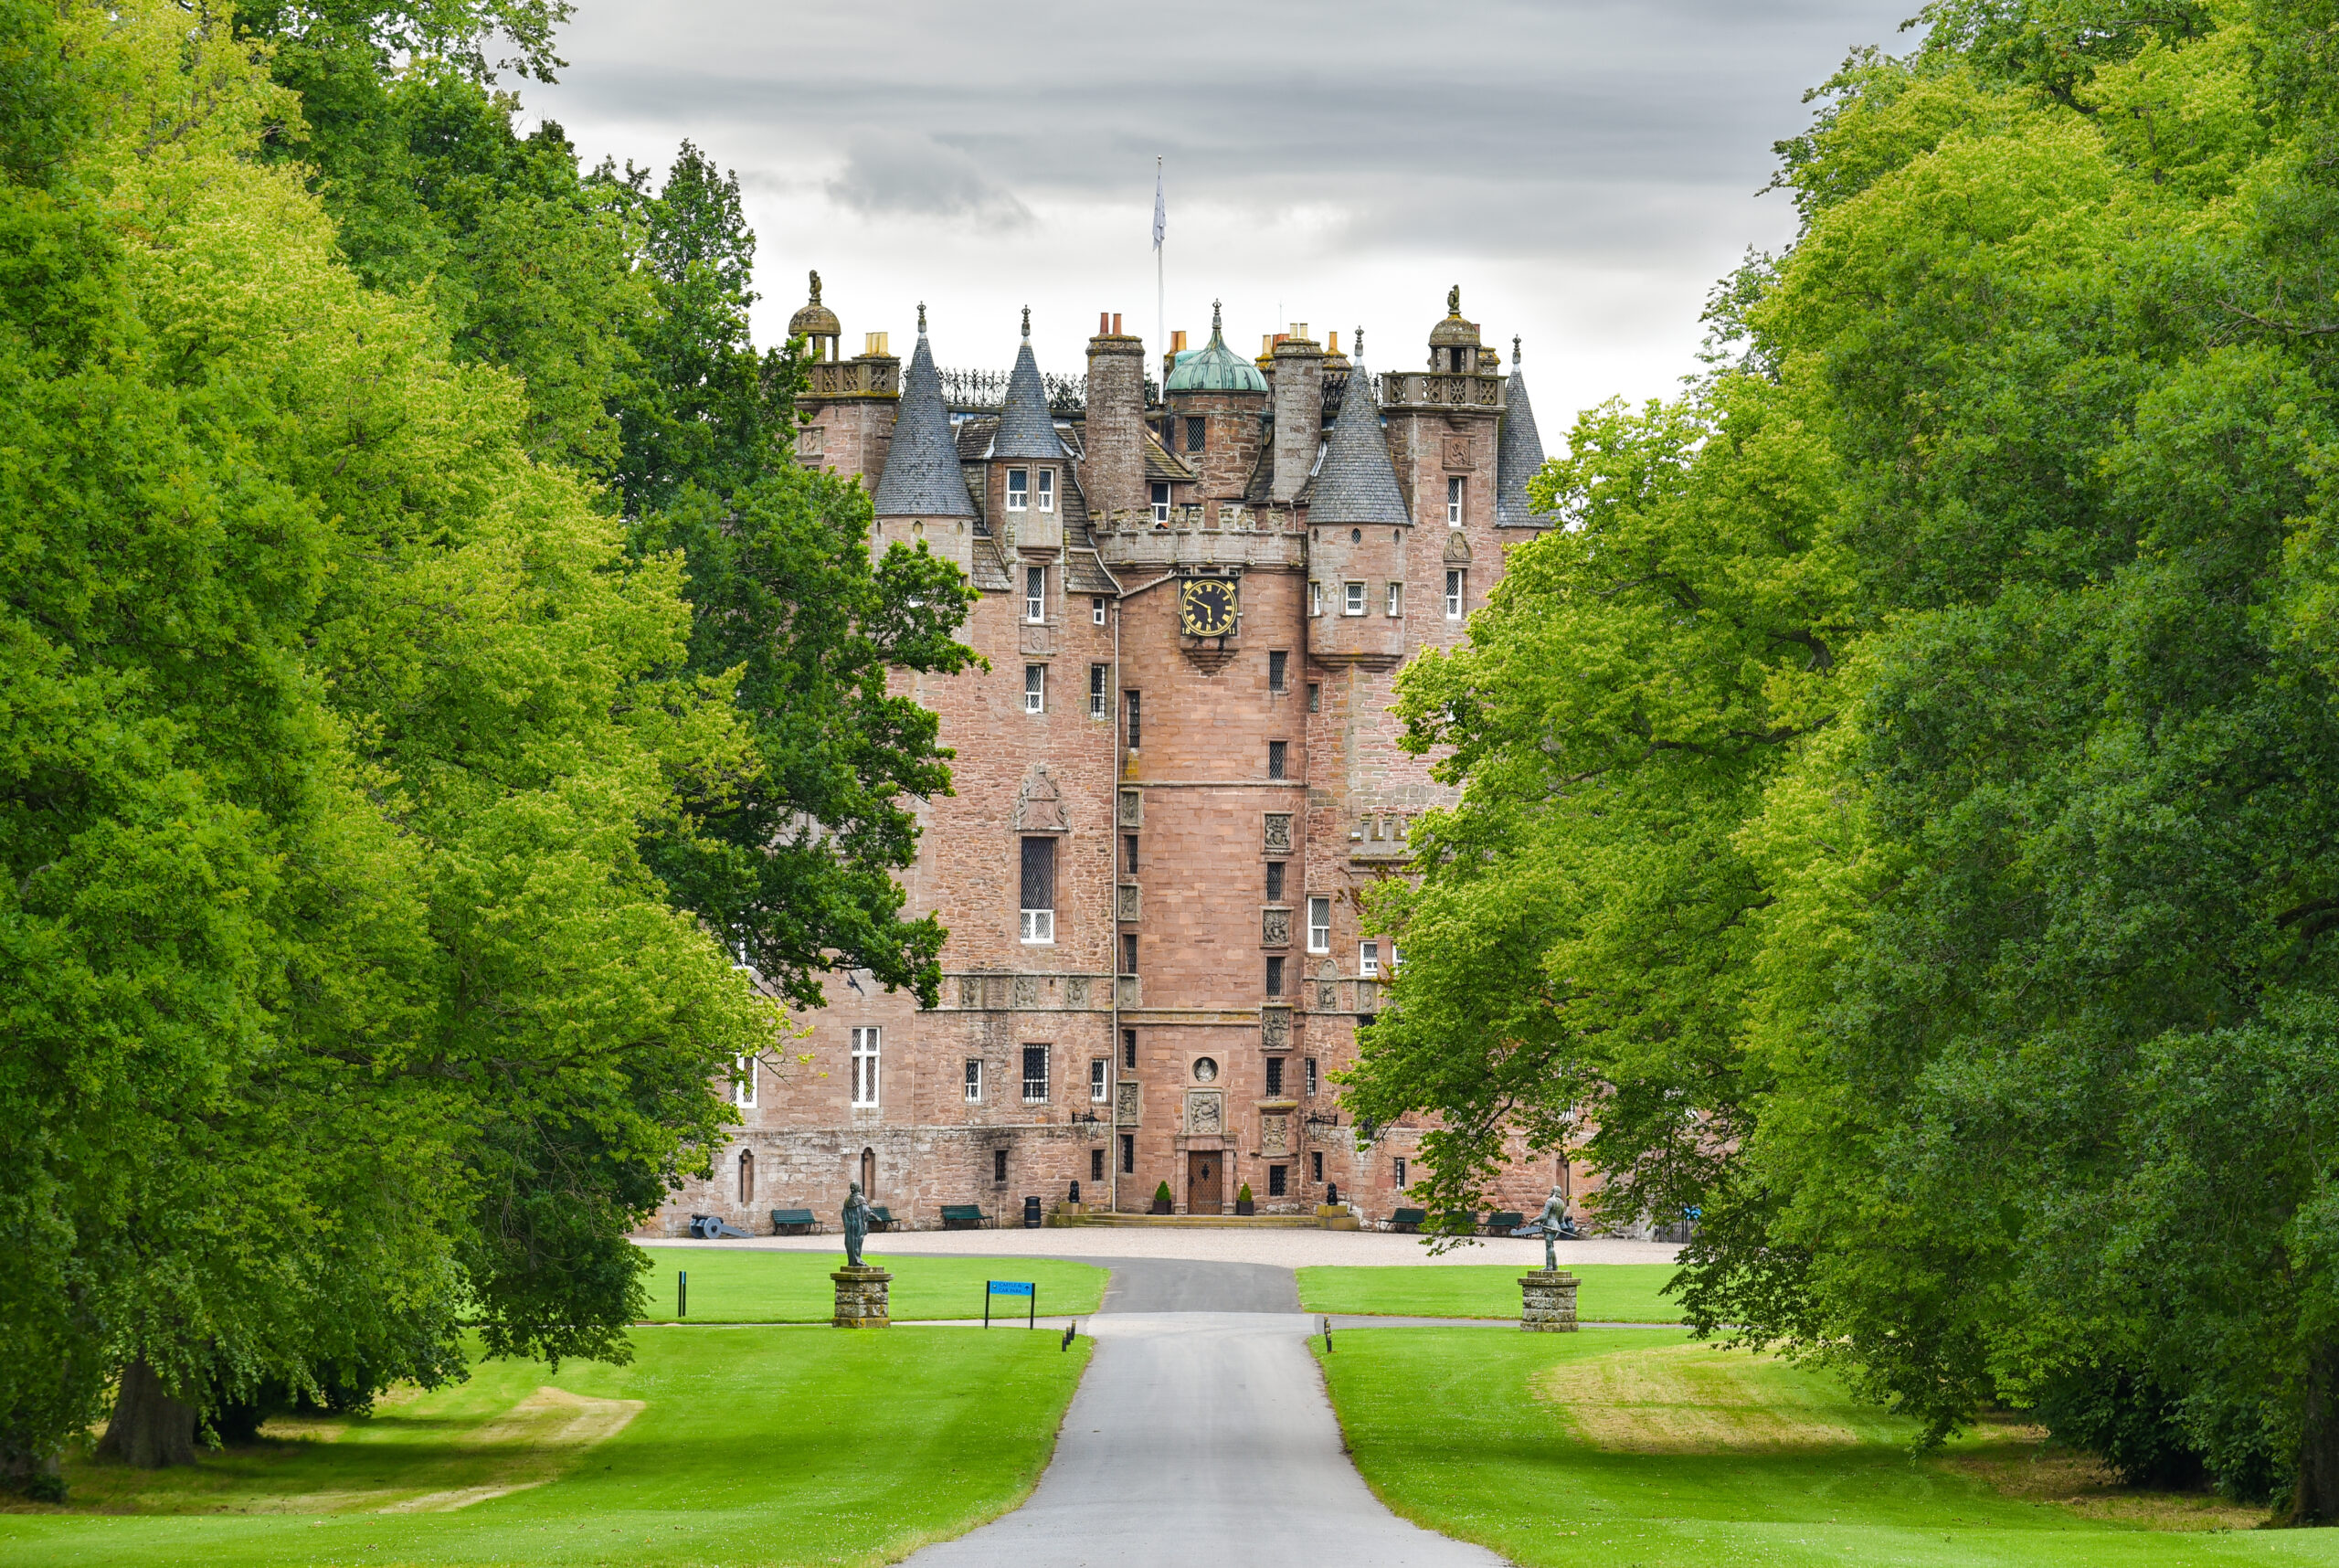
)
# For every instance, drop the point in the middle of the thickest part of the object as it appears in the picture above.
(1172, 783)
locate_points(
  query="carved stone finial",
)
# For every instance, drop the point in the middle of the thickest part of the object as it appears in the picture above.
(1214, 318)
(921, 318)
(1514, 350)
(1027, 321)
(1453, 300)
(1360, 343)
(816, 285)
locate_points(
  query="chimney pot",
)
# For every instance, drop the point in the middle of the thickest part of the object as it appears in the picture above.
(1116, 323)
(1104, 323)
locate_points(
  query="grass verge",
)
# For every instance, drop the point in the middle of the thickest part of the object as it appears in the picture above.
(1605, 1292)
(768, 1446)
(795, 1288)
(1627, 1446)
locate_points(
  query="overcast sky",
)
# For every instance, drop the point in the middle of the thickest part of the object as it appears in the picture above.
(1583, 170)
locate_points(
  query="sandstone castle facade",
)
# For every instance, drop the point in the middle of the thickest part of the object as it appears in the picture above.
(1172, 783)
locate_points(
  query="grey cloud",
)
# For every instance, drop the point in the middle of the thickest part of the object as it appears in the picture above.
(904, 173)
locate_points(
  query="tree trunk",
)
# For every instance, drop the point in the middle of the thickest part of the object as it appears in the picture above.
(150, 1429)
(2314, 1499)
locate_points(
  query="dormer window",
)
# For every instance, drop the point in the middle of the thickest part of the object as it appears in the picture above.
(1160, 498)
(1047, 490)
(1019, 489)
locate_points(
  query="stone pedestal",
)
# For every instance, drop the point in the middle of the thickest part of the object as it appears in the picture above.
(1547, 1301)
(863, 1301)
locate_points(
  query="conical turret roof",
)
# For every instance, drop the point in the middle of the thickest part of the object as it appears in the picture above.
(1518, 455)
(922, 477)
(1026, 428)
(1357, 482)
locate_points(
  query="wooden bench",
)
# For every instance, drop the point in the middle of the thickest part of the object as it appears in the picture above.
(1457, 1222)
(793, 1222)
(964, 1217)
(1502, 1225)
(880, 1218)
(1408, 1219)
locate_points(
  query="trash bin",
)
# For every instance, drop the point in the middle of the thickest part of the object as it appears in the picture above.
(1031, 1214)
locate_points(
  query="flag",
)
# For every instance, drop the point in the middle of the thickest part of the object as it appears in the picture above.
(1160, 212)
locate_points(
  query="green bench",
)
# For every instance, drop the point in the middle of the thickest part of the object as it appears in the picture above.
(964, 1217)
(793, 1222)
(1408, 1219)
(1457, 1222)
(1503, 1223)
(880, 1218)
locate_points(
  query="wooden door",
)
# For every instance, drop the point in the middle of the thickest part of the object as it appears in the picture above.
(1205, 1183)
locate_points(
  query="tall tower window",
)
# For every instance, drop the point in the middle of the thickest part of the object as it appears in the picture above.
(1129, 952)
(1035, 593)
(1315, 697)
(1368, 960)
(1039, 890)
(1314, 599)
(1278, 758)
(747, 1177)
(1274, 881)
(1454, 503)
(1275, 1076)
(1352, 601)
(1396, 598)
(1035, 688)
(1320, 925)
(1128, 1049)
(1096, 609)
(1134, 718)
(1453, 593)
(999, 1165)
(864, 1066)
(1276, 1180)
(1275, 976)
(1311, 1095)
(1097, 1092)
(1194, 432)
(1278, 670)
(1019, 489)
(974, 1091)
(1157, 496)
(743, 1084)
(1096, 694)
(1128, 1154)
(1035, 1074)
(1047, 490)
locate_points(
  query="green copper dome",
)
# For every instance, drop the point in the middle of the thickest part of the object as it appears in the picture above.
(1214, 367)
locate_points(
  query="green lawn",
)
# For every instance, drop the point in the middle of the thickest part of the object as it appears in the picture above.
(795, 1288)
(737, 1444)
(1629, 1446)
(1608, 1292)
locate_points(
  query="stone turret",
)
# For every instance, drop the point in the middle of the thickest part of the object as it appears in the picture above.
(1030, 470)
(1219, 396)
(1357, 524)
(1519, 456)
(922, 494)
(849, 405)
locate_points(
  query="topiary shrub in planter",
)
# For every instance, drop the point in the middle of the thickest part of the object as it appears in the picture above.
(1161, 1198)
(1243, 1205)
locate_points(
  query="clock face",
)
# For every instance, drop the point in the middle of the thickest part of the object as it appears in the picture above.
(1206, 607)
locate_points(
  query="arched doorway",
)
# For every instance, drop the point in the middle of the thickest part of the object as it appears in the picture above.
(747, 1177)
(869, 1174)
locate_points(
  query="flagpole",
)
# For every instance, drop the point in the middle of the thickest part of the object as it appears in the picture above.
(1161, 295)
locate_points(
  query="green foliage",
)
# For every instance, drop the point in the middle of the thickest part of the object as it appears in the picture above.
(340, 998)
(1898, 802)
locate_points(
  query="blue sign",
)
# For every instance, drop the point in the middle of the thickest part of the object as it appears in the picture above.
(1011, 1288)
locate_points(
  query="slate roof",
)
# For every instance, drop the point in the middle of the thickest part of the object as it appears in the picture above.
(1026, 428)
(922, 478)
(1518, 454)
(1161, 462)
(1356, 482)
(1084, 573)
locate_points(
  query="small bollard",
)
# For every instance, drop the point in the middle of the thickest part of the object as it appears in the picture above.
(1327, 1334)
(682, 1292)
(1068, 1329)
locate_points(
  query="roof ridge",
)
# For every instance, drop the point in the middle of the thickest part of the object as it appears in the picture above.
(922, 477)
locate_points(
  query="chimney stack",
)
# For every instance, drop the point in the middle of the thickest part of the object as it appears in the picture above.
(1299, 383)
(1112, 464)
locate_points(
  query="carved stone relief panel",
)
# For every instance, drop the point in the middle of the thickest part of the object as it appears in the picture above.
(1039, 806)
(1126, 904)
(1327, 996)
(1027, 990)
(1275, 1028)
(1275, 1134)
(1132, 808)
(1205, 1112)
(1126, 1103)
(1278, 832)
(970, 991)
(1275, 928)
(1038, 638)
(1075, 991)
(1458, 453)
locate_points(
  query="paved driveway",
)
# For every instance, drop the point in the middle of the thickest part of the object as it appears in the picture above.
(1275, 1248)
(1200, 1434)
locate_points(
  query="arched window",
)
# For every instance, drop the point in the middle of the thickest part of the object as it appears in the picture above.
(869, 1174)
(747, 1177)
